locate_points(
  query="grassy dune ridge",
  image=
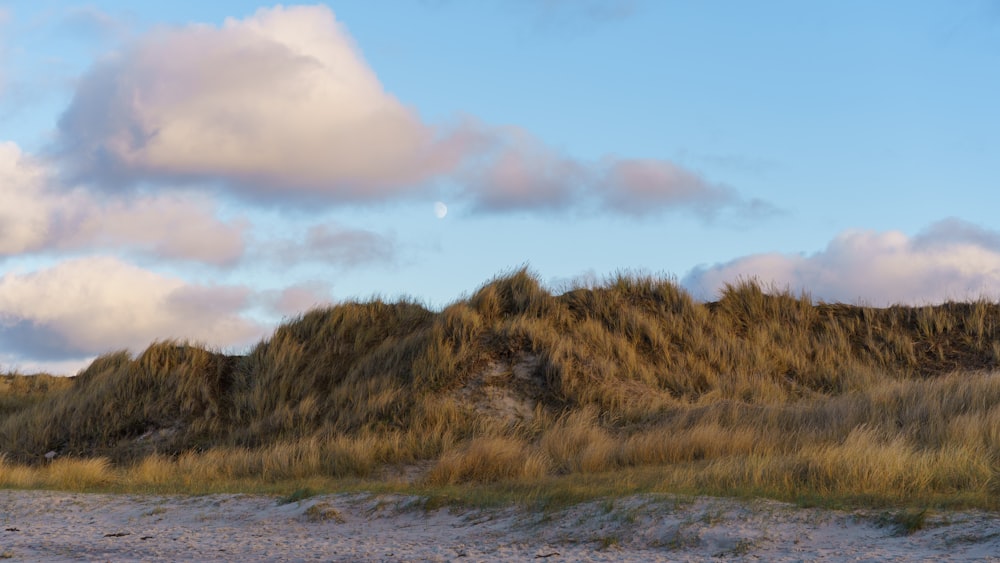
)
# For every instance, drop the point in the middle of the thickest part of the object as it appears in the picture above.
(630, 385)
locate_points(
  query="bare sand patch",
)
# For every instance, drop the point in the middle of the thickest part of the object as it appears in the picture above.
(57, 526)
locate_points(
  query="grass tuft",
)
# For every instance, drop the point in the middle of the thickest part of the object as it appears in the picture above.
(323, 512)
(909, 521)
(298, 495)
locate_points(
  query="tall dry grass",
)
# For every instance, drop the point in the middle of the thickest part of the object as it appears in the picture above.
(18, 391)
(761, 390)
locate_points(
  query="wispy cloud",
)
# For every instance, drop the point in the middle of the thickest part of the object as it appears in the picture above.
(329, 244)
(517, 172)
(549, 14)
(92, 23)
(951, 259)
(297, 299)
(564, 13)
(641, 187)
(4, 18)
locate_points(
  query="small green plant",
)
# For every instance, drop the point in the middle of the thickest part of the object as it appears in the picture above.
(298, 495)
(910, 521)
(680, 540)
(713, 517)
(742, 547)
(631, 515)
(438, 501)
(905, 522)
(608, 542)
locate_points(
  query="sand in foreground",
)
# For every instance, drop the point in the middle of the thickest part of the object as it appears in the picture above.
(54, 526)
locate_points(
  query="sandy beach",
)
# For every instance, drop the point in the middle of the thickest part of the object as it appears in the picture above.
(55, 526)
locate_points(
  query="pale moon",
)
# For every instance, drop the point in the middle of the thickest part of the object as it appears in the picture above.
(440, 210)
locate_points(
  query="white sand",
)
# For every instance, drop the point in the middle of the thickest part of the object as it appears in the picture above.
(52, 526)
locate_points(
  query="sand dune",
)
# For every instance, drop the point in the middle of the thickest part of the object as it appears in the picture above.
(56, 526)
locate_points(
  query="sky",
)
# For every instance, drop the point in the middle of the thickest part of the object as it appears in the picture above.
(208, 170)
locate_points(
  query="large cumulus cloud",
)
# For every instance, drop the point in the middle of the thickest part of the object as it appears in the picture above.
(281, 101)
(951, 259)
(281, 106)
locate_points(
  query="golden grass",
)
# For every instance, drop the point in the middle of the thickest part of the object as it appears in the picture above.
(575, 443)
(489, 460)
(17, 391)
(761, 392)
(72, 474)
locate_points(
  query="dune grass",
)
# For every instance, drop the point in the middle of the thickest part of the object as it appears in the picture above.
(18, 391)
(515, 392)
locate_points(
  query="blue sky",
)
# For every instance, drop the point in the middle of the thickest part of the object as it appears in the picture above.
(206, 169)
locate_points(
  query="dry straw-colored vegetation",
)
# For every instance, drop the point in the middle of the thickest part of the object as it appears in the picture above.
(624, 386)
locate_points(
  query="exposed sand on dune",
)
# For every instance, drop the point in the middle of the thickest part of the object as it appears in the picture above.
(55, 526)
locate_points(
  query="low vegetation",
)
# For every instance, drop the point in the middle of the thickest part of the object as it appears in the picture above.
(626, 386)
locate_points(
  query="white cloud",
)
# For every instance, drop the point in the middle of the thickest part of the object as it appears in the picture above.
(951, 259)
(25, 204)
(166, 226)
(36, 215)
(88, 306)
(278, 103)
(281, 106)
